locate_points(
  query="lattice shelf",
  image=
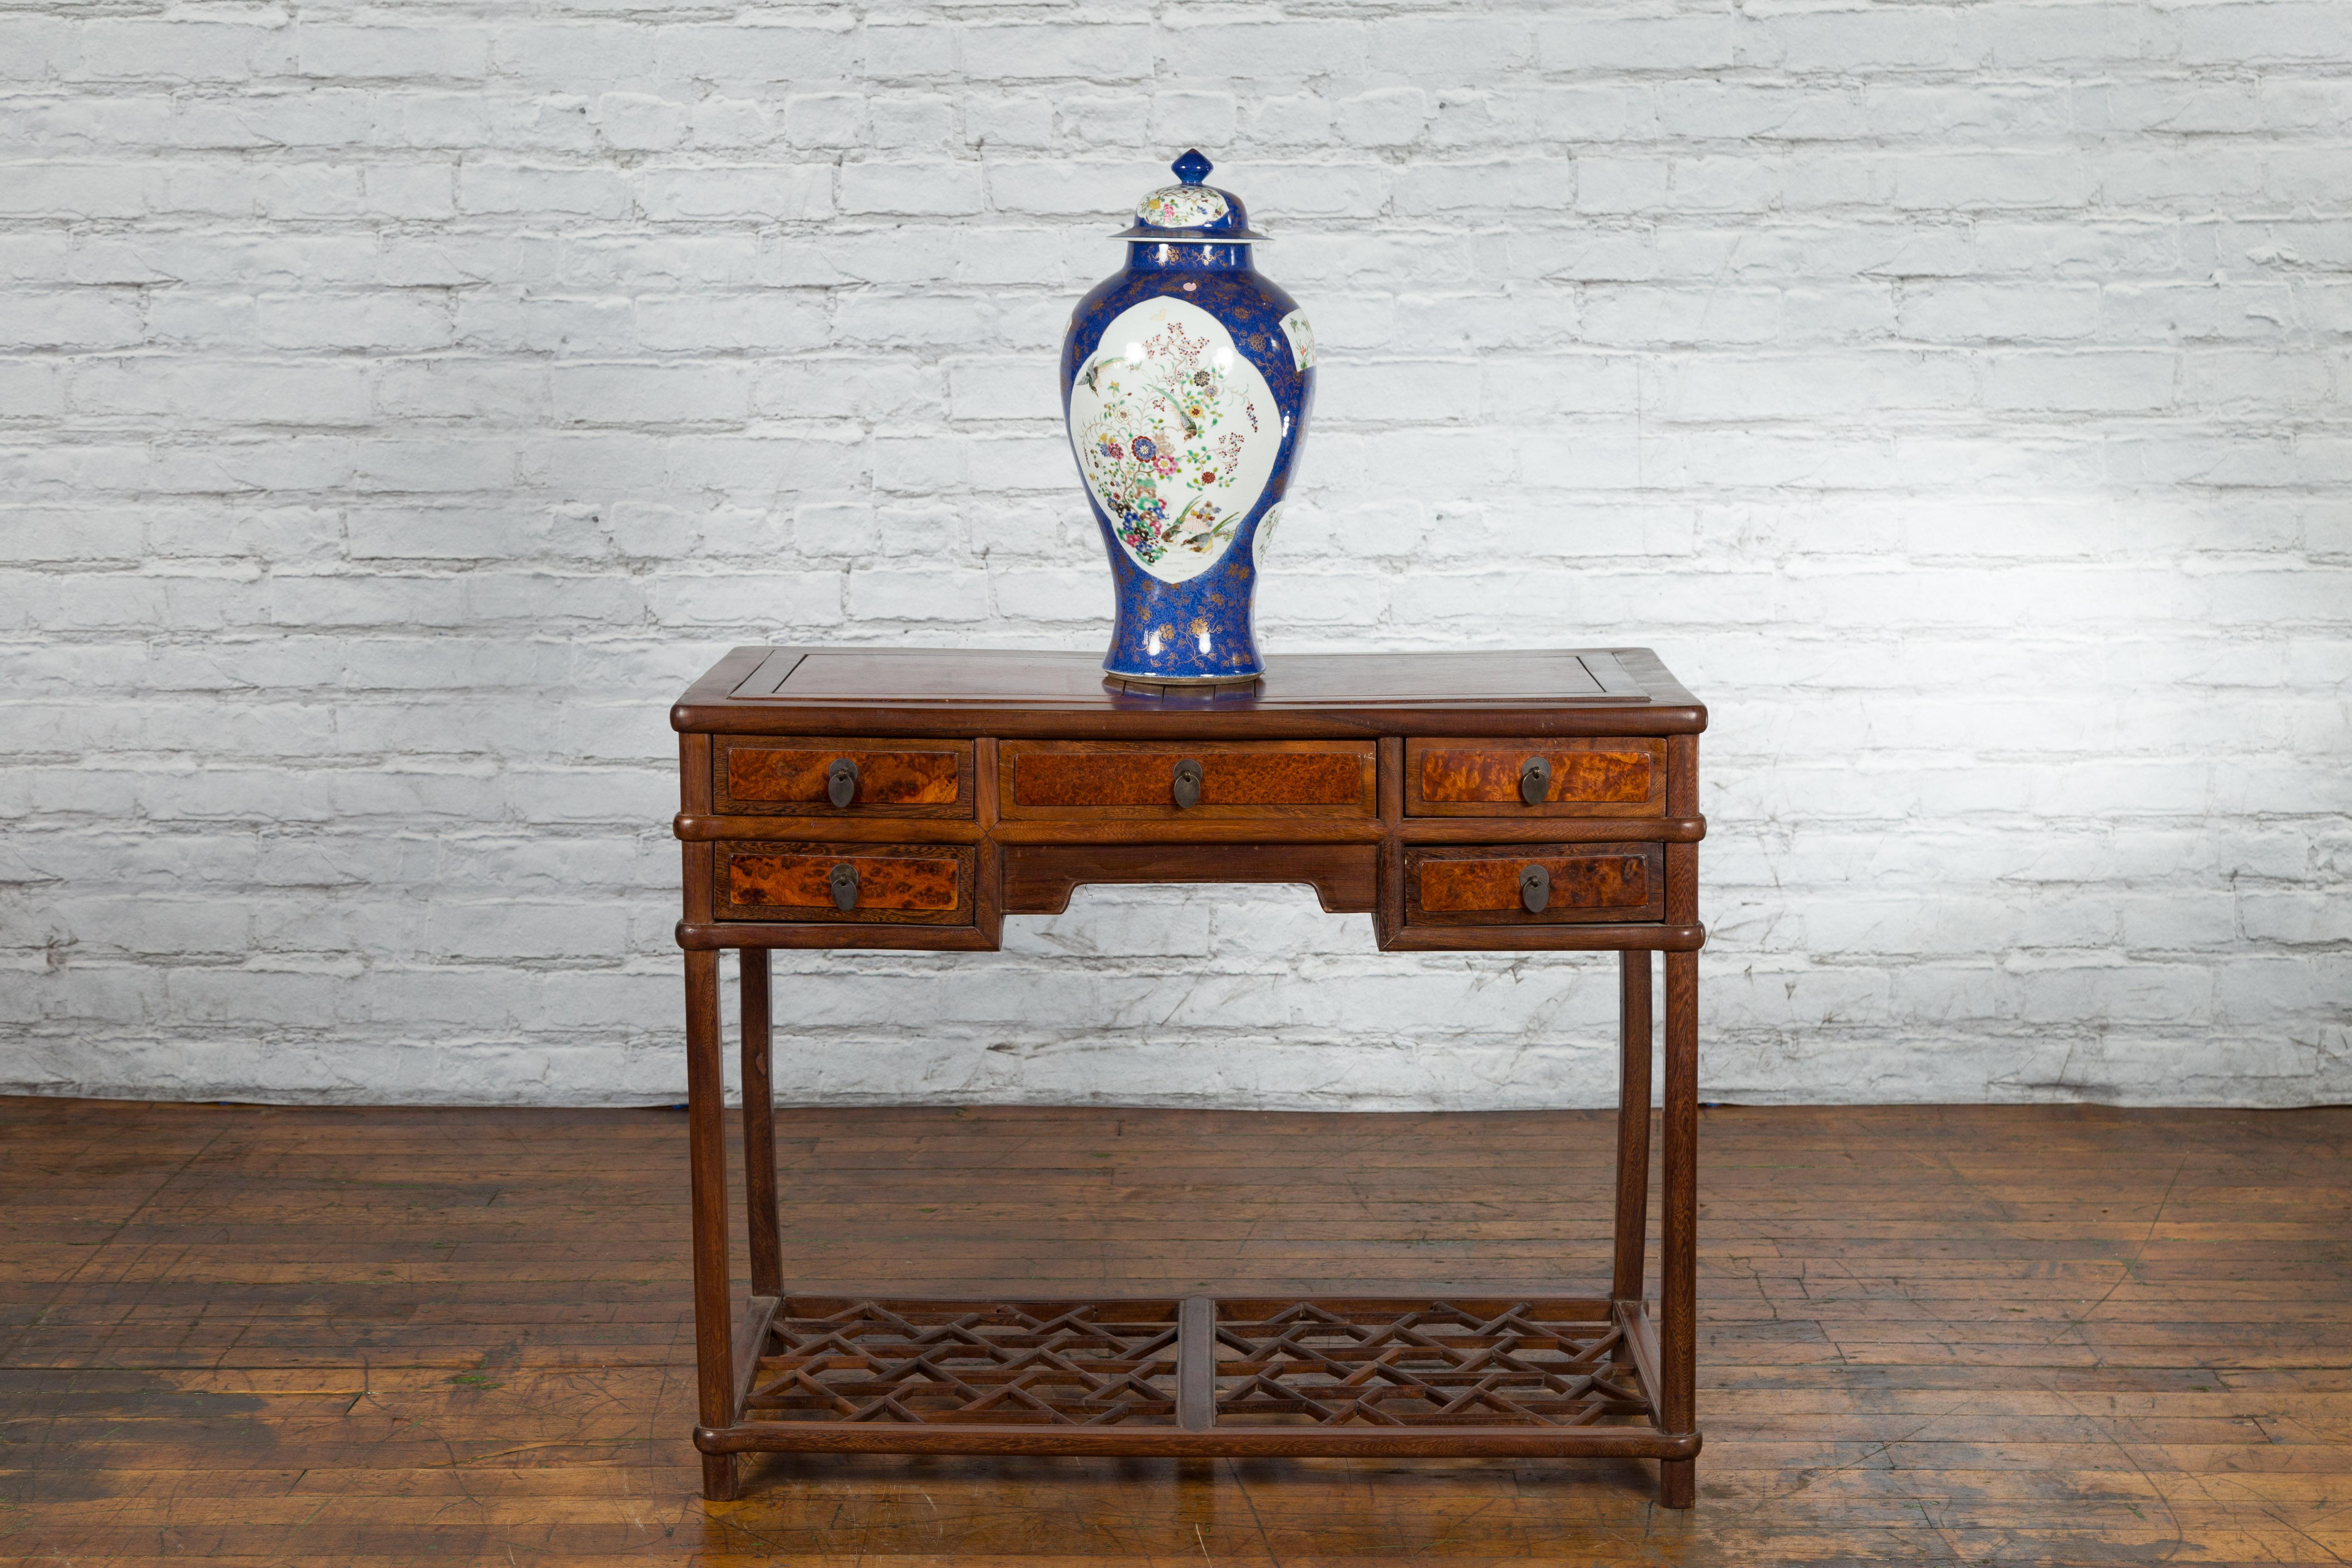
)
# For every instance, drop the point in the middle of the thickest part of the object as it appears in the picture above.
(1198, 1368)
(999, 1362)
(1433, 1364)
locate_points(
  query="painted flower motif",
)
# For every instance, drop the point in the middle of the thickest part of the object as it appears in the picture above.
(1180, 206)
(1302, 340)
(1191, 411)
(1169, 390)
(1266, 528)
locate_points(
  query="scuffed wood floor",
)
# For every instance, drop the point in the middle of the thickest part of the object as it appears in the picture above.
(1944, 1335)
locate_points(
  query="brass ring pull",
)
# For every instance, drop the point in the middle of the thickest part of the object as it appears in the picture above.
(1535, 889)
(1534, 780)
(1186, 787)
(841, 783)
(844, 882)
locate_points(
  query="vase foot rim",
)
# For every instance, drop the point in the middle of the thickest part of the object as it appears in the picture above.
(1185, 685)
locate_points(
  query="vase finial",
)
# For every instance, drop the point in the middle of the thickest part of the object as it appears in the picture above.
(1191, 168)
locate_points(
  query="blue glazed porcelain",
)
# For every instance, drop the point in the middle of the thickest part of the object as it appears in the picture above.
(1186, 382)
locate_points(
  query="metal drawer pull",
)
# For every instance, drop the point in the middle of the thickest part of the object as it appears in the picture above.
(841, 783)
(844, 878)
(1187, 787)
(1534, 780)
(1535, 889)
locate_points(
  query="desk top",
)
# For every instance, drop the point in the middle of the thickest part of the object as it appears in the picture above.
(976, 691)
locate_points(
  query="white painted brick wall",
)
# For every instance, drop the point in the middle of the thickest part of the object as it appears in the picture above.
(397, 406)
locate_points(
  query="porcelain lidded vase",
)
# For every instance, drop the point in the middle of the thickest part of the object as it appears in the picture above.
(1186, 382)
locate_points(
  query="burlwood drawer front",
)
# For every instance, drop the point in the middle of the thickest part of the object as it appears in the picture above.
(1141, 779)
(1576, 778)
(760, 778)
(1489, 886)
(911, 884)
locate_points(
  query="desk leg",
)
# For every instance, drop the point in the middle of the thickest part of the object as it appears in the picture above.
(759, 1130)
(1634, 1046)
(706, 1104)
(1678, 1243)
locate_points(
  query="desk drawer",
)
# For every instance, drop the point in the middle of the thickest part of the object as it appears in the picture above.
(903, 884)
(1535, 778)
(1146, 779)
(1579, 883)
(758, 776)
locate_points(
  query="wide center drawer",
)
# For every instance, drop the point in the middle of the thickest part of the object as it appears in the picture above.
(758, 776)
(1178, 779)
(903, 884)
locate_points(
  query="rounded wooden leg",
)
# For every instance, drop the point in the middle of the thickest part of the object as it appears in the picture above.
(706, 1130)
(1678, 1238)
(759, 1130)
(1633, 1200)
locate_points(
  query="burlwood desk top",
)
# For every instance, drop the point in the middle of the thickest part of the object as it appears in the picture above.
(910, 798)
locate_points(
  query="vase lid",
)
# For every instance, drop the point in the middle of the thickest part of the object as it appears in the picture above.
(1192, 211)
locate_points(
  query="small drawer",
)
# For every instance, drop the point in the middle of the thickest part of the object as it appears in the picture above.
(1535, 778)
(757, 776)
(901, 884)
(1489, 884)
(1181, 779)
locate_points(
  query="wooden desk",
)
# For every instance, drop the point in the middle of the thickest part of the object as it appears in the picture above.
(864, 798)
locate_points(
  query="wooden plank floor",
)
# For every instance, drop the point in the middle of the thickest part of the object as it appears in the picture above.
(2055, 1335)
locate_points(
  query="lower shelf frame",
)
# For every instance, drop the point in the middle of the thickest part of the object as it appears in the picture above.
(1491, 1375)
(1656, 1417)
